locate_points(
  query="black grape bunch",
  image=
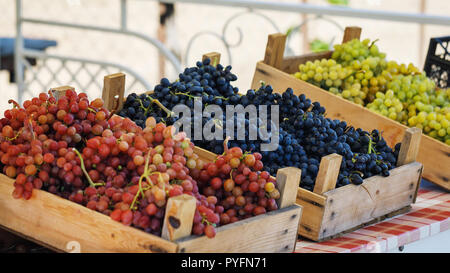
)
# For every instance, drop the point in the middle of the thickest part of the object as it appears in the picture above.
(305, 133)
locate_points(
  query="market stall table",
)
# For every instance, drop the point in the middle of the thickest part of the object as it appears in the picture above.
(429, 216)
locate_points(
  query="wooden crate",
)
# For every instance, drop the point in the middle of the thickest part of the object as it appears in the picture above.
(62, 225)
(277, 71)
(65, 226)
(329, 212)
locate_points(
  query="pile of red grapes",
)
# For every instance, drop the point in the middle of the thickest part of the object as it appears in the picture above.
(76, 149)
(235, 188)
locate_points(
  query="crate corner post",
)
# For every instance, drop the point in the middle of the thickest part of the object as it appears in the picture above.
(328, 173)
(179, 217)
(409, 151)
(288, 180)
(274, 53)
(213, 56)
(409, 148)
(351, 32)
(60, 90)
(113, 91)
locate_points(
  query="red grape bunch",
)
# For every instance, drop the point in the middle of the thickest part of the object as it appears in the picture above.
(36, 141)
(235, 188)
(77, 150)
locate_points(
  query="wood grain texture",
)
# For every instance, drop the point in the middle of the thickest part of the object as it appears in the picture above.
(213, 56)
(410, 146)
(205, 154)
(353, 205)
(275, 231)
(179, 217)
(373, 221)
(434, 154)
(61, 90)
(328, 173)
(290, 64)
(396, 191)
(275, 50)
(288, 181)
(113, 91)
(56, 221)
(351, 33)
(312, 215)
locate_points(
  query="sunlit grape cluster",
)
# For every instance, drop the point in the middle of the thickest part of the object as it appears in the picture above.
(414, 101)
(355, 49)
(359, 72)
(324, 73)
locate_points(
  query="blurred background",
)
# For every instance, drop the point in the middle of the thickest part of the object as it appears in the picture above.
(78, 42)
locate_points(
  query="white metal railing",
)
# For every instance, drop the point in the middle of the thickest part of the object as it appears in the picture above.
(251, 6)
(325, 10)
(21, 53)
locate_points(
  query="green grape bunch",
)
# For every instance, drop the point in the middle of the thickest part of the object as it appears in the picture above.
(356, 50)
(359, 72)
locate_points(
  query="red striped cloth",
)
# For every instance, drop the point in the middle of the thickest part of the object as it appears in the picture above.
(428, 216)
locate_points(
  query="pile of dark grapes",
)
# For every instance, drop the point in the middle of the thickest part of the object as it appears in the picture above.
(305, 134)
(211, 84)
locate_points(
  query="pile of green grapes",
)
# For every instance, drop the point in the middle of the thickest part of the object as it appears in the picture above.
(359, 72)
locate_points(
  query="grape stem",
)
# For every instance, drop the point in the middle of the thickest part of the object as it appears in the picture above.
(91, 110)
(84, 170)
(225, 144)
(221, 97)
(358, 172)
(373, 43)
(145, 175)
(16, 136)
(16, 105)
(369, 150)
(218, 122)
(30, 126)
(205, 221)
(160, 105)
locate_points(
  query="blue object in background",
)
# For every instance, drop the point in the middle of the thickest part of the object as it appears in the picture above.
(7, 52)
(7, 45)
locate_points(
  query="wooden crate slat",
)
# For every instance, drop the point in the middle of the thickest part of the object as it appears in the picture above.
(353, 205)
(206, 155)
(274, 231)
(328, 173)
(56, 221)
(351, 33)
(113, 91)
(179, 217)
(213, 56)
(53, 222)
(401, 191)
(410, 146)
(288, 179)
(61, 90)
(275, 49)
(290, 64)
(313, 210)
(433, 153)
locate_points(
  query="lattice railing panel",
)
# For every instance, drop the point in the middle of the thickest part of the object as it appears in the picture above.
(88, 77)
